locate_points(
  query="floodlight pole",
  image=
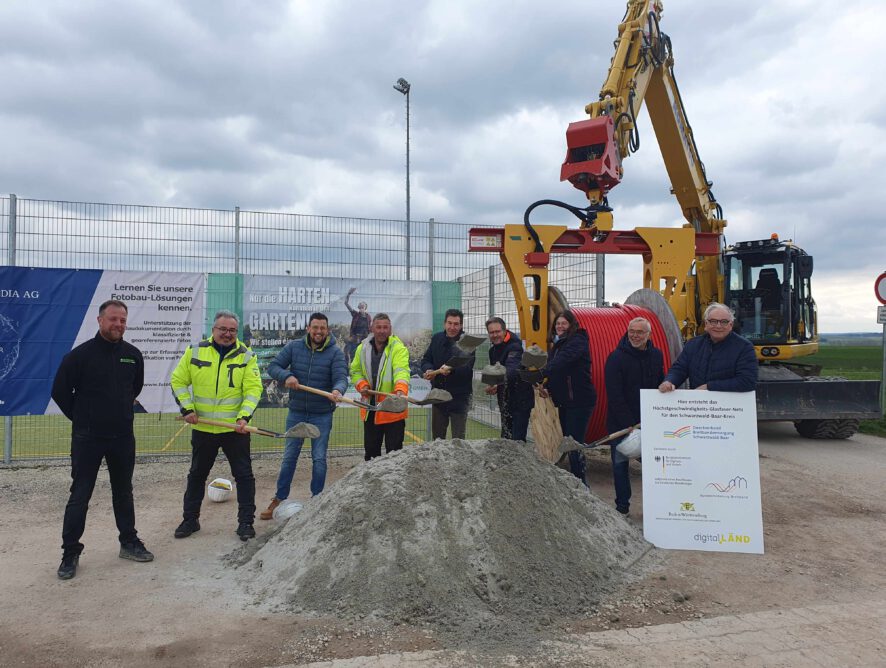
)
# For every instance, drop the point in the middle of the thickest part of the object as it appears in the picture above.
(403, 86)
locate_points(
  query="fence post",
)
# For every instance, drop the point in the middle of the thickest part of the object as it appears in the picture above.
(600, 266)
(7, 420)
(491, 310)
(11, 233)
(236, 239)
(431, 250)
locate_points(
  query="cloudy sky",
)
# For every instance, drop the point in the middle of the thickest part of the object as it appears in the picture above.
(289, 106)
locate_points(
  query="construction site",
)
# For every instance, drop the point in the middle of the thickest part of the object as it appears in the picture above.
(485, 550)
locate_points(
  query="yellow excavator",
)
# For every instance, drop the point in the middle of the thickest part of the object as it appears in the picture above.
(766, 282)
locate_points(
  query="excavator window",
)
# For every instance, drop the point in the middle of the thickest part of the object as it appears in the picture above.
(757, 296)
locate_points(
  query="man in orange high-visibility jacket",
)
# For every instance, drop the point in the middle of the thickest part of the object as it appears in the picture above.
(381, 363)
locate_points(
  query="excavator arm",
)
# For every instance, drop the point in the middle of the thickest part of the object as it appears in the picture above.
(641, 72)
(684, 265)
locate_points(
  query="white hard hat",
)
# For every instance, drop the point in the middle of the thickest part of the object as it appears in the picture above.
(219, 490)
(286, 509)
(630, 447)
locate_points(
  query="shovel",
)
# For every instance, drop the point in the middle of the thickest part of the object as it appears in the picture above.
(493, 374)
(534, 358)
(570, 444)
(435, 396)
(300, 430)
(392, 404)
(469, 343)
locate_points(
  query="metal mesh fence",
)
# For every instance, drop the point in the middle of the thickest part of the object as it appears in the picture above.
(126, 237)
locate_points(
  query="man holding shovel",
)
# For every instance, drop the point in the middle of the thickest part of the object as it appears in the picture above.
(516, 396)
(381, 363)
(634, 365)
(315, 361)
(438, 367)
(218, 379)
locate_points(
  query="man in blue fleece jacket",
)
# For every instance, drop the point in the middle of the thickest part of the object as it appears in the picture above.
(718, 360)
(315, 361)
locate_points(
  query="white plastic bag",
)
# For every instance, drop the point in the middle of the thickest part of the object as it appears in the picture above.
(630, 447)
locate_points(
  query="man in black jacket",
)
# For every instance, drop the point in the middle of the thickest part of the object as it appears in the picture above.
(95, 387)
(635, 364)
(516, 398)
(458, 381)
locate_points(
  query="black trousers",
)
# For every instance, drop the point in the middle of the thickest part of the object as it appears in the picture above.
(87, 453)
(440, 421)
(391, 433)
(204, 450)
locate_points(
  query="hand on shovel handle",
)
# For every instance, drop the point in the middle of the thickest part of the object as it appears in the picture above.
(393, 404)
(435, 396)
(300, 430)
(433, 373)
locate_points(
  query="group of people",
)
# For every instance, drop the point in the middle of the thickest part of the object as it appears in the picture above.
(217, 386)
(719, 359)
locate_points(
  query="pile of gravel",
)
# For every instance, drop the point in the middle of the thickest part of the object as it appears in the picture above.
(468, 536)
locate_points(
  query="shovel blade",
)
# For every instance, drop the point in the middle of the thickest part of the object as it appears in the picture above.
(435, 396)
(302, 430)
(534, 358)
(493, 374)
(469, 343)
(457, 361)
(392, 404)
(569, 444)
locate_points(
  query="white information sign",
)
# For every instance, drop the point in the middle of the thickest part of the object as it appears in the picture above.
(701, 472)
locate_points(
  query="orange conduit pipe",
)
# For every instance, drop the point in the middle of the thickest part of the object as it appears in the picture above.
(605, 327)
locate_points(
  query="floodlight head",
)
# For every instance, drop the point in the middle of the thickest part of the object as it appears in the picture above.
(402, 86)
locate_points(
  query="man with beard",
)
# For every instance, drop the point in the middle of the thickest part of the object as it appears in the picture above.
(315, 361)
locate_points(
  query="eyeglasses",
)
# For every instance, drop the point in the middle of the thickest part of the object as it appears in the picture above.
(226, 330)
(718, 323)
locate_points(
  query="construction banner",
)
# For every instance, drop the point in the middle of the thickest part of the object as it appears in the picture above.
(44, 313)
(701, 472)
(276, 310)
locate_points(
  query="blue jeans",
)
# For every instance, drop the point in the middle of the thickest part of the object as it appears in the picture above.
(621, 477)
(323, 422)
(574, 422)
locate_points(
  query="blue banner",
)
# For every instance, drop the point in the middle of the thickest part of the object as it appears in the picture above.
(41, 311)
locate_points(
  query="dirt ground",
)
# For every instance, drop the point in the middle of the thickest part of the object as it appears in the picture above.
(823, 514)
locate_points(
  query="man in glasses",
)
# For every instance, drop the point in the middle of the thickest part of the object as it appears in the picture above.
(718, 360)
(635, 364)
(218, 379)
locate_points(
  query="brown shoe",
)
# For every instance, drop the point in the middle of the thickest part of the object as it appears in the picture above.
(269, 513)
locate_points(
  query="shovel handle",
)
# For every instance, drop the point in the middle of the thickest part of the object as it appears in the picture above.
(391, 394)
(228, 425)
(329, 395)
(436, 372)
(614, 435)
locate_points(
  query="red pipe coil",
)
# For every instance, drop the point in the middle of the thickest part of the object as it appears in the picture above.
(605, 327)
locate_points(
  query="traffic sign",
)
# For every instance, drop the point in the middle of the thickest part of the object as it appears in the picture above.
(881, 315)
(880, 287)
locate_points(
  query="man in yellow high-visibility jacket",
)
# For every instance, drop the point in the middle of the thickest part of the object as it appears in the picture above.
(218, 379)
(381, 362)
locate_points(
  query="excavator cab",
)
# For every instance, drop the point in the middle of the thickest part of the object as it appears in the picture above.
(768, 287)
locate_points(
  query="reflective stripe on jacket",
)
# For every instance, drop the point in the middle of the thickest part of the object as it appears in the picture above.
(217, 389)
(393, 374)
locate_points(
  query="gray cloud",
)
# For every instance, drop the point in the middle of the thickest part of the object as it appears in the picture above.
(289, 106)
